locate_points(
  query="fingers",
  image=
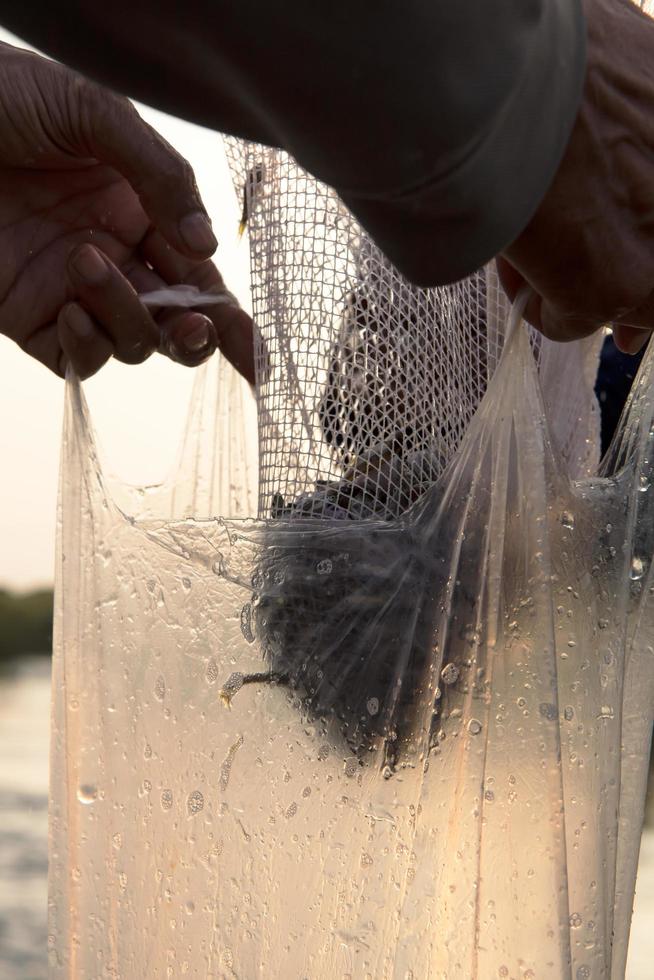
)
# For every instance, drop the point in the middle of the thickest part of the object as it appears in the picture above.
(235, 338)
(83, 342)
(43, 345)
(512, 282)
(233, 327)
(188, 338)
(553, 323)
(113, 320)
(174, 267)
(115, 134)
(630, 340)
(114, 308)
(630, 337)
(558, 325)
(109, 299)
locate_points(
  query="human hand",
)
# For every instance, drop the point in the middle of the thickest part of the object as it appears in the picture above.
(96, 207)
(588, 253)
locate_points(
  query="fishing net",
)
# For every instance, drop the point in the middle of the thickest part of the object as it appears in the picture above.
(370, 695)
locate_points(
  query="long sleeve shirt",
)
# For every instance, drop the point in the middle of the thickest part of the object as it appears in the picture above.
(440, 124)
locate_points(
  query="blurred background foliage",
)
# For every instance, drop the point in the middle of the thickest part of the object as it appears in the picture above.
(25, 623)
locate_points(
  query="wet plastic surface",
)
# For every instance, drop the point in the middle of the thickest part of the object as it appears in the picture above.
(408, 748)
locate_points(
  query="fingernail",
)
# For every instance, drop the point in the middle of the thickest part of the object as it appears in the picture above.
(90, 265)
(79, 321)
(634, 346)
(196, 231)
(630, 340)
(198, 335)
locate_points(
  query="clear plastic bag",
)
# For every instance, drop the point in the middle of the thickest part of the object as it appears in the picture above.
(464, 801)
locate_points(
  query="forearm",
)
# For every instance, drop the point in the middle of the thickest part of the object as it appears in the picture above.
(441, 125)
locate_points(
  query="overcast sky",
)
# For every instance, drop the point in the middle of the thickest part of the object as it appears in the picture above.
(138, 411)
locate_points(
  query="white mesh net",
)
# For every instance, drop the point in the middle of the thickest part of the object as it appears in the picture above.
(366, 384)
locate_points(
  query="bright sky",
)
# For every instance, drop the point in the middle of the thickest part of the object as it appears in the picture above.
(138, 412)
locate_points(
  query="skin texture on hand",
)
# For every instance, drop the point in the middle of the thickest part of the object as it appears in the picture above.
(96, 207)
(588, 253)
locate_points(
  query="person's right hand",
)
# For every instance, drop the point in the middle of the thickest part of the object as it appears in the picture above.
(588, 253)
(95, 207)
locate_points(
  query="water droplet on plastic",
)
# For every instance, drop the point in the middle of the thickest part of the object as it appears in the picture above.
(583, 972)
(324, 567)
(246, 622)
(218, 567)
(489, 795)
(449, 674)
(166, 799)
(568, 713)
(189, 908)
(474, 726)
(350, 767)
(575, 920)
(86, 793)
(568, 519)
(606, 711)
(638, 566)
(372, 706)
(609, 528)
(194, 802)
(160, 688)
(643, 484)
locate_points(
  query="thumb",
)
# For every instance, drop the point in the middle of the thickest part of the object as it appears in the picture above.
(115, 134)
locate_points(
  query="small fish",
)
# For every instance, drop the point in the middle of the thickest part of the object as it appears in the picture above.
(251, 189)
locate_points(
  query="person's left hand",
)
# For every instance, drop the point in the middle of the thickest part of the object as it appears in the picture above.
(96, 207)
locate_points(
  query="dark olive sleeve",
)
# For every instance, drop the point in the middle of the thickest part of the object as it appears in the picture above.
(440, 124)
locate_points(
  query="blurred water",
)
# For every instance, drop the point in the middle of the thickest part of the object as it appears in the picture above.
(24, 729)
(24, 724)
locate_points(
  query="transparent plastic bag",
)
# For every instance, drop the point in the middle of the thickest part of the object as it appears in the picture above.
(312, 745)
(397, 724)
